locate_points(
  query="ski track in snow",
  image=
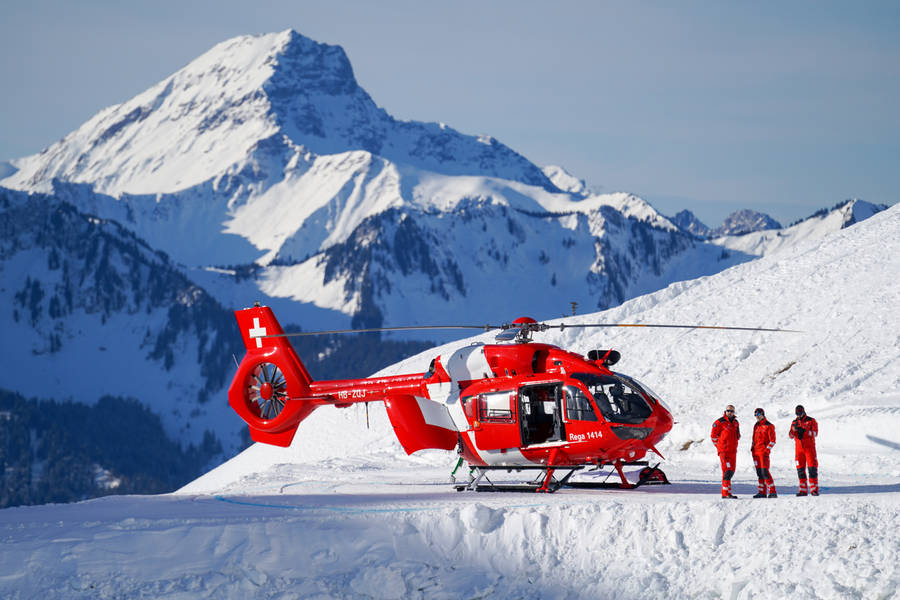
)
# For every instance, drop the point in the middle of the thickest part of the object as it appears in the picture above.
(343, 513)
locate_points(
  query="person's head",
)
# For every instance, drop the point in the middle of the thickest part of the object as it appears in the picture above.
(760, 414)
(799, 411)
(729, 411)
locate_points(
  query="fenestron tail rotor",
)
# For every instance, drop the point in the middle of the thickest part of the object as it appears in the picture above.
(267, 390)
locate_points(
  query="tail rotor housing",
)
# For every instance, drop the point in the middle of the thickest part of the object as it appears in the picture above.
(270, 390)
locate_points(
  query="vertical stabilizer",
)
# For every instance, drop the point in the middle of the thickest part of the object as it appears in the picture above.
(270, 390)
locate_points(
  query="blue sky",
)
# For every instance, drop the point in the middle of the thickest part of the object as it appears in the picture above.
(782, 107)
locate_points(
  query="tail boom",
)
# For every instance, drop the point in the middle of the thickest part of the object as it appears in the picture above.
(273, 392)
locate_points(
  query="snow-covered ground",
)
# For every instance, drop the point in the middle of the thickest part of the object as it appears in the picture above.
(344, 513)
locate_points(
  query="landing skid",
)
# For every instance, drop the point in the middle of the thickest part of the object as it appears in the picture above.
(546, 482)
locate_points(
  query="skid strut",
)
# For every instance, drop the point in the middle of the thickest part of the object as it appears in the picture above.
(648, 476)
(545, 482)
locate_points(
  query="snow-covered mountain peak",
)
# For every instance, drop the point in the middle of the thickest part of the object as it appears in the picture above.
(689, 222)
(856, 210)
(179, 133)
(209, 118)
(565, 180)
(578, 198)
(746, 221)
(307, 66)
(629, 205)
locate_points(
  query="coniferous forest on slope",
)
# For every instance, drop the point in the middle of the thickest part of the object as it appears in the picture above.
(54, 451)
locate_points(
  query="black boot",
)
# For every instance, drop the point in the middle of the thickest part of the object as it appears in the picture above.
(760, 495)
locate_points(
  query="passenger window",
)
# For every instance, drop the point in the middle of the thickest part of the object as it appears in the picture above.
(496, 407)
(578, 406)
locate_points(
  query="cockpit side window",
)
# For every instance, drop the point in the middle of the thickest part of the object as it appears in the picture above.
(618, 399)
(578, 407)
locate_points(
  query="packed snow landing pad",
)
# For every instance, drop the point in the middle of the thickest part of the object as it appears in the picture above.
(403, 531)
(368, 485)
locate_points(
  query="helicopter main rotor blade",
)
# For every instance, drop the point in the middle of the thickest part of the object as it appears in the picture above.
(562, 326)
(375, 329)
(524, 326)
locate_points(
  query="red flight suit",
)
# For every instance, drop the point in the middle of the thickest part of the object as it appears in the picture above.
(725, 435)
(763, 440)
(804, 431)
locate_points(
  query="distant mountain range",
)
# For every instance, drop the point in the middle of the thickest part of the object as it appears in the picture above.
(737, 223)
(262, 171)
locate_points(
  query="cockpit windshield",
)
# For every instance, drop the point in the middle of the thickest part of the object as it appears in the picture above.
(619, 399)
(653, 395)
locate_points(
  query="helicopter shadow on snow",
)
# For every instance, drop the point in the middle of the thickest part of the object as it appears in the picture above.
(884, 442)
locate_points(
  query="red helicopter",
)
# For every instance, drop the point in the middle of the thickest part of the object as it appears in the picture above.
(513, 405)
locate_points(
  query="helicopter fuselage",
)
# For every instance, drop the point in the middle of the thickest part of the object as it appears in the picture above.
(537, 404)
(519, 404)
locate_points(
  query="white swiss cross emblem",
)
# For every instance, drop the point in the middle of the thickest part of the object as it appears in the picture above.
(257, 332)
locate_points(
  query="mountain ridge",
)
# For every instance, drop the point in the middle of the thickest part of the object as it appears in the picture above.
(250, 89)
(265, 155)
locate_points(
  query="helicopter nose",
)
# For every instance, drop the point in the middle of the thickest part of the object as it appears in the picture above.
(663, 425)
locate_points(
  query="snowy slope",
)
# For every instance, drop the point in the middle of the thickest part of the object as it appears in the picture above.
(344, 513)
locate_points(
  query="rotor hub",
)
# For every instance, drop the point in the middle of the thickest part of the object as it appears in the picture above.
(266, 391)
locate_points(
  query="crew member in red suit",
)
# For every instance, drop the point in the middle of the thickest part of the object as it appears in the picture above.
(804, 431)
(763, 440)
(725, 435)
